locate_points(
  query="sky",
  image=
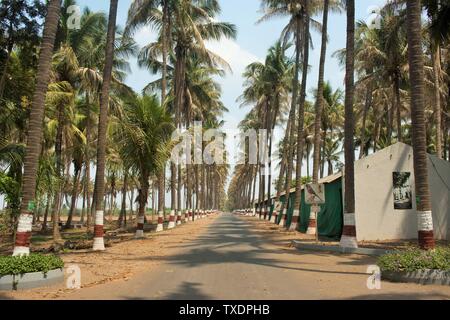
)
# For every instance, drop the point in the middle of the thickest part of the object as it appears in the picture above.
(252, 43)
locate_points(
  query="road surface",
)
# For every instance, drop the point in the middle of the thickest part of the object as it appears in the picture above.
(230, 261)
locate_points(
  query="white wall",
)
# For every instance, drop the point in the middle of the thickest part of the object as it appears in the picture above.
(439, 178)
(376, 218)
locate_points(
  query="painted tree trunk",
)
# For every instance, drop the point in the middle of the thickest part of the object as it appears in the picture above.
(295, 85)
(348, 238)
(76, 182)
(300, 130)
(102, 128)
(34, 141)
(319, 101)
(416, 72)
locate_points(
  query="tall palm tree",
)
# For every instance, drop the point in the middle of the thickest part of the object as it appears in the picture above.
(349, 233)
(143, 137)
(319, 100)
(33, 148)
(294, 9)
(306, 11)
(416, 71)
(102, 127)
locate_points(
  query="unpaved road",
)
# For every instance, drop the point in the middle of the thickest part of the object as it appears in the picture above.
(232, 261)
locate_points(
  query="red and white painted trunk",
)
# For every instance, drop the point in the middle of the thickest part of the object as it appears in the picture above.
(99, 242)
(295, 220)
(171, 220)
(23, 236)
(160, 226)
(283, 219)
(312, 224)
(196, 211)
(348, 239)
(186, 216)
(179, 218)
(140, 228)
(425, 228)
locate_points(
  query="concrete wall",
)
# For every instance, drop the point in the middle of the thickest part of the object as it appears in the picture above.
(376, 218)
(439, 178)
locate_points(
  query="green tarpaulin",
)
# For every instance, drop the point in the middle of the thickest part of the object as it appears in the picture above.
(330, 219)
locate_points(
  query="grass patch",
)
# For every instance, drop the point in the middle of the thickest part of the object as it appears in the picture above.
(414, 259)
(10, 265)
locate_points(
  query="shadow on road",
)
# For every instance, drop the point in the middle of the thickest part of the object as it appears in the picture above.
(230, 240)
(188, 290)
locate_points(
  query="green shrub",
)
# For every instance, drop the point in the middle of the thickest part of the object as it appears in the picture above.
(33, 263)
(415, 259)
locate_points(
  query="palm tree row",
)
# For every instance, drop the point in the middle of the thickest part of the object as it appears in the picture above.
(82, 116)
(383, 105)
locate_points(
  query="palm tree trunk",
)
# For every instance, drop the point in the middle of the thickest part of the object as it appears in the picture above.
(47, 209)
(367, 105)
(416, 71)
(102, 127)
(398, 107)
(436, 59)
(349, 232)
(143, 196)
(76, 182)
(283, 166)
(83, 209)
(290, 157)
(300, 129)
(319, 102)
(59, 175)
(34, 141)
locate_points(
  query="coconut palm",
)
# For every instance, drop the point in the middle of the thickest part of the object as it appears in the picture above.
(102, 127)
(35, 128)
(349, 233)
(416, 70)
(143, 137)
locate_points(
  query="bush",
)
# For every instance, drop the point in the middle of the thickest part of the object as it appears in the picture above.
(33, 263)
(415, 259)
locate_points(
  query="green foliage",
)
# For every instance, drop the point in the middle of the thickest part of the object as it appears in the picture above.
(414, 259)
(10, 188)
(33, 263)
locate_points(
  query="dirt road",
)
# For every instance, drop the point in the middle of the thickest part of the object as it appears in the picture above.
(230, 260)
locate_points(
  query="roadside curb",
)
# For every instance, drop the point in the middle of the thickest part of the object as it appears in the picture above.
(423, 277)
(31, 280)
(363, 251)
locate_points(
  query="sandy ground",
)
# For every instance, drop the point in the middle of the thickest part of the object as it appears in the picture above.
(120, 262)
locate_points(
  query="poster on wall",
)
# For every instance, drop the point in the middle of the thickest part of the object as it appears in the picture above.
(402, 191)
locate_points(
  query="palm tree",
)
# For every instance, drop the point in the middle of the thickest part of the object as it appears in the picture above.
(416, 71)
(349, 233)
(306, 11)
(319, 100)
(33, 148)
(143, 137)
(102, 127)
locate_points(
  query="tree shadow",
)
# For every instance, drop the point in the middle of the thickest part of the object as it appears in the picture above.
(188, 291)
(229, 242)
(403, 296)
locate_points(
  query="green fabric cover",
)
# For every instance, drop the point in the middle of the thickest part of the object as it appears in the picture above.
(330, 219)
